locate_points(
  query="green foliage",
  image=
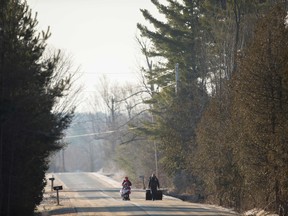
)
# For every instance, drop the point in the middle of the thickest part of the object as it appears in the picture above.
(29, 129)
(179, 40)
(136, 159)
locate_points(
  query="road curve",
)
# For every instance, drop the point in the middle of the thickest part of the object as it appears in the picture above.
(95, 194)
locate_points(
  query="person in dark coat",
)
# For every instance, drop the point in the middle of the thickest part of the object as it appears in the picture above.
(153, 185)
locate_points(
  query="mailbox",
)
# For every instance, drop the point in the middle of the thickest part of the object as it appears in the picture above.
(52, 182)
(58, 188)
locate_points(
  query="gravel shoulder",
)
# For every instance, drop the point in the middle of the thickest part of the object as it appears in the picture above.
(67, 199)
(49, 205)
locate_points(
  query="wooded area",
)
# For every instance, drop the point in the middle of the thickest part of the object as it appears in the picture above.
(222, 132)
(210, 117)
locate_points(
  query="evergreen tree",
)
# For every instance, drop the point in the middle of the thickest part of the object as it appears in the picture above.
(178, 41)
(29, 129)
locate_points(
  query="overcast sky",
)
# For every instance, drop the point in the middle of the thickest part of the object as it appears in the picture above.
(99, 34)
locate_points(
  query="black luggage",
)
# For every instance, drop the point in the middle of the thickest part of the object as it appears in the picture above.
(148, 195)
(159, 195)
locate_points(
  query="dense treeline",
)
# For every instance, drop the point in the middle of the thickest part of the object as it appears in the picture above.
(30, 125)
(222, 130)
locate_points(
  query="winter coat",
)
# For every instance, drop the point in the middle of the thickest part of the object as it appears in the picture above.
(126, 181)
(153, 183)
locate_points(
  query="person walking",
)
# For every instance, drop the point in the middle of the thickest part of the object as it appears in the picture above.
(153, 185)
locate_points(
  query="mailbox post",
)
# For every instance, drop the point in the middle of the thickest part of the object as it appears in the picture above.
(57, 188)
(52, 182)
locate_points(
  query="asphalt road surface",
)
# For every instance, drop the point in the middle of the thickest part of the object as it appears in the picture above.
(95, 194)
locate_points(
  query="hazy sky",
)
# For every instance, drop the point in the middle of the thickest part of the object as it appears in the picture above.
(99, 34)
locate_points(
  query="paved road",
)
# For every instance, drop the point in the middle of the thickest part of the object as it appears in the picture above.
(94, 194)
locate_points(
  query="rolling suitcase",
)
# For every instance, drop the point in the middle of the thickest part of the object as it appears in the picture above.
(148, 195)
(159, 195)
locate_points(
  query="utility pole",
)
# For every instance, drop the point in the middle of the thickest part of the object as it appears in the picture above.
(154, 142)
(176, 77)
(156, 152)
(63, 161)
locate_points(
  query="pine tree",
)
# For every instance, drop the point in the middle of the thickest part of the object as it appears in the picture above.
(29, 129)
(180, 40)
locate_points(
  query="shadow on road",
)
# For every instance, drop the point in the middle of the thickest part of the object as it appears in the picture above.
(133, 208)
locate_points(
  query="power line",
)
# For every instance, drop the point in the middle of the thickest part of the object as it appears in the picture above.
(90, 134)
(99, 133)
